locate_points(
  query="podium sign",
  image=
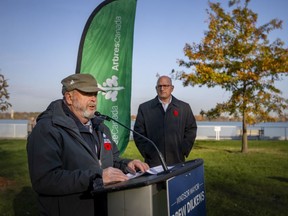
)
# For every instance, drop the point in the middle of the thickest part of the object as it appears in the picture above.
(186, 193)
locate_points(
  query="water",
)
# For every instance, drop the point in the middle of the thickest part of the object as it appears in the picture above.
(13, 121)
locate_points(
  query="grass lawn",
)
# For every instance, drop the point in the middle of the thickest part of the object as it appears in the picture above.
(255, 183)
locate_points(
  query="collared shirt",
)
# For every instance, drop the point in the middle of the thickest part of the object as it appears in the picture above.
(165, 106)
(89, 126)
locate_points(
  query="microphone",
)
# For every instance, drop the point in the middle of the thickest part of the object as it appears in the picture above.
(107, 118)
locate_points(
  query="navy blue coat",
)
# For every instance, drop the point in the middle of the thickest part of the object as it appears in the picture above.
(173, 131)
(62, 166)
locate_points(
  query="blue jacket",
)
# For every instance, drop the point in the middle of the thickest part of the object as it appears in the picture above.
(63, 168)
(173, 131)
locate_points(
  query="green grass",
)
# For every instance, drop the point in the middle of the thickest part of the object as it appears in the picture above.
(16, 195)
(255, 183)
(245, 184)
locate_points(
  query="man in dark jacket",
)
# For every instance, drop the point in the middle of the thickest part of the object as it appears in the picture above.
(168, 122)
(71, 152)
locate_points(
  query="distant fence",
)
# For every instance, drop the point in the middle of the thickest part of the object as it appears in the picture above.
(235, 132)
(13, 130)
(203, 133)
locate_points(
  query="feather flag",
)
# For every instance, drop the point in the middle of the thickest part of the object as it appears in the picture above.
(105, 52)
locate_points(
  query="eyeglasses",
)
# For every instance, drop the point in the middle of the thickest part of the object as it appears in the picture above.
(162, 86)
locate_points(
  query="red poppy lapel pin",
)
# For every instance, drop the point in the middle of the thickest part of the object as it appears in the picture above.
(175, 113)
(107, 143)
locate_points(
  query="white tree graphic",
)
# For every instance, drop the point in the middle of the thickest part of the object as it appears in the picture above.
(111, 87)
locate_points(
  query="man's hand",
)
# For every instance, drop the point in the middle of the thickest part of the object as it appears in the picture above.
(112, 175)
(137, 164)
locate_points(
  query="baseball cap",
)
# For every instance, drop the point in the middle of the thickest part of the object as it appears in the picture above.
(82, 82)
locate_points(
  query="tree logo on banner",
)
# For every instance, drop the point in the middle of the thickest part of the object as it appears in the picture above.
(111, 87)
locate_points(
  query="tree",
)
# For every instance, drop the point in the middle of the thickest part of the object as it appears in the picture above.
(4, 95)
(238, 57)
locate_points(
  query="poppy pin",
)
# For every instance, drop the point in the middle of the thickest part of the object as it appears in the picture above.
(175, 113)
(107, 144)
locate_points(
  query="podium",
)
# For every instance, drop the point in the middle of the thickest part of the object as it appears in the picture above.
(177, 192)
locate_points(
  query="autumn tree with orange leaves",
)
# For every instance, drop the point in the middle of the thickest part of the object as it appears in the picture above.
(237, 56)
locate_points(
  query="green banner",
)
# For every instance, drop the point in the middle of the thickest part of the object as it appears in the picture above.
(105, 51)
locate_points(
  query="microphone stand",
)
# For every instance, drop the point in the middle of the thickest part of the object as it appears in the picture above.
(163, 163)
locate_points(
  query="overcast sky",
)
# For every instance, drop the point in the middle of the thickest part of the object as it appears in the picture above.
(39, 43)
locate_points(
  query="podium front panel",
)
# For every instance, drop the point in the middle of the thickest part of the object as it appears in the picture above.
(150, 200)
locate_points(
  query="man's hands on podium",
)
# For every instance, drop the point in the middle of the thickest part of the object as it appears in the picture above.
(137, 165)
(112, 175)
